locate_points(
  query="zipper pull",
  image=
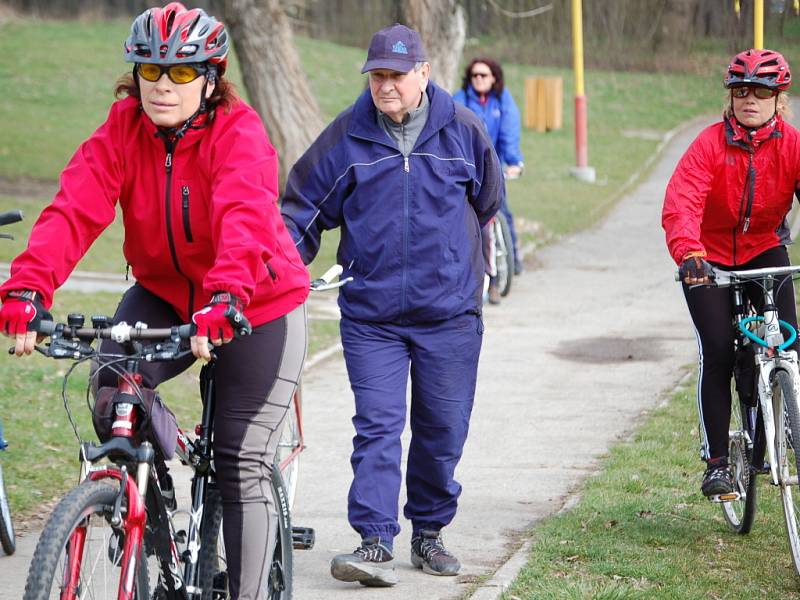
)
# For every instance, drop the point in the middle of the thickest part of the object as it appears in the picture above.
(185, 195)
(127, 270)
(405, 164)
(746, 225)
(168, 162)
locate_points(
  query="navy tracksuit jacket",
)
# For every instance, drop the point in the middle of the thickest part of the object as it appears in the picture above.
(410, 238)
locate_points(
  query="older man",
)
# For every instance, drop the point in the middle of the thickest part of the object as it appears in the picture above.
(410, 177)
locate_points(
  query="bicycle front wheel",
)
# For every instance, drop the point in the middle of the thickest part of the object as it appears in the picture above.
(504, 254)
(79, 552)
(788, 453)
(7, 538)
(739, 514)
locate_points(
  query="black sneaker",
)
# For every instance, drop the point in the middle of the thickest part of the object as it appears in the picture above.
(429, 553)
(362, 565)
(717, 479)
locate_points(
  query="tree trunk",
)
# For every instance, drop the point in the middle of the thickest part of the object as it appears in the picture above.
(443, 28)
(272, 74)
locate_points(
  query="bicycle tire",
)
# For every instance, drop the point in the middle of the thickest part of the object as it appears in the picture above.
(211, 562)
(89, 504)
(788, 457)
(8, 539)
(289, 440)
(504, 254)
(280, 573)
(739, 514)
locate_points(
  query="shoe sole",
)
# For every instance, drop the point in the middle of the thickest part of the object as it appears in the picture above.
(418, 562)
(364, 573)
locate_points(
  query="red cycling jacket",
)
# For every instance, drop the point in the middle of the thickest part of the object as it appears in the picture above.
(729, 194)
(199, 219)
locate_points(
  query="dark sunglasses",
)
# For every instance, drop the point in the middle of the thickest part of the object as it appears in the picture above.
(761, 93)
(184, 73)
(480, 75)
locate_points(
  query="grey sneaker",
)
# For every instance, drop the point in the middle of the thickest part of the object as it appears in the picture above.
(429, 553)
(361, 565)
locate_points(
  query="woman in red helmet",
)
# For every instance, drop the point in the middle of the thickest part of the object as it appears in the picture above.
(196, 178)
(725, 206)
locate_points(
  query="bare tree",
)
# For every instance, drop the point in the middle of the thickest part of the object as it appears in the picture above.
(443, 28)
(272, 74)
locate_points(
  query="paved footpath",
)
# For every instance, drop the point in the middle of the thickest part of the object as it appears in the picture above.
(584, 345)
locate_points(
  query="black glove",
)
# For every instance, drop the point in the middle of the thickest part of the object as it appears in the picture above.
(695, 268)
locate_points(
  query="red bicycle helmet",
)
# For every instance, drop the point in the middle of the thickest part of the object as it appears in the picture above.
(174, 35)
(766, 68)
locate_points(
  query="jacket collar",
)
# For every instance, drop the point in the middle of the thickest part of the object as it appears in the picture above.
(364, 121)
(737, 135)
(191, 136)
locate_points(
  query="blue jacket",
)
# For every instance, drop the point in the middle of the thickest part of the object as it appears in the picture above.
(501, 117)
(410, 226)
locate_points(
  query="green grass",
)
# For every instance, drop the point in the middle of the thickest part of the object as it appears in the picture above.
(642, 530)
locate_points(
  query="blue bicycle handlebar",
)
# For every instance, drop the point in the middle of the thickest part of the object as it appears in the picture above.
(747, 320)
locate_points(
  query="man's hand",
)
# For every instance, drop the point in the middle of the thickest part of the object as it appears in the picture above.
(220, 321)
(695, 269)
(20, 315)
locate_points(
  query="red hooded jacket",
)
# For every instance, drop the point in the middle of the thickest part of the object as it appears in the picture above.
(730, 193)
(201, 219)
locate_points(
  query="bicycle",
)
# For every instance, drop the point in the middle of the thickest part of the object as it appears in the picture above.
(765, 416)
(115, 535)
(8, 539)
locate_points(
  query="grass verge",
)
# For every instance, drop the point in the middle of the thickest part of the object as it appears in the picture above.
(642, 530)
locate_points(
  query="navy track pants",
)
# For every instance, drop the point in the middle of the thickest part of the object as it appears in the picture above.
(443, 362)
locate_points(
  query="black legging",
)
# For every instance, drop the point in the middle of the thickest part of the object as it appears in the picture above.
(712, 313)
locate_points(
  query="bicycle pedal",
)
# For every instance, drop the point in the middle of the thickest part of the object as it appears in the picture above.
(303, 538)
(729, 497)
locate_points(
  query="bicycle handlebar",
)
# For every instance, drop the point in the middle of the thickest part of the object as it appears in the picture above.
(326, 281)
(12, 216)
(723, 278)
(121, 332)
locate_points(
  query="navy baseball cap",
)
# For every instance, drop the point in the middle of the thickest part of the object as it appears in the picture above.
(397, 48)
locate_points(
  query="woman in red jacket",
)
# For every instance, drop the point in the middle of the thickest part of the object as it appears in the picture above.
(725, 206)
(196, 178)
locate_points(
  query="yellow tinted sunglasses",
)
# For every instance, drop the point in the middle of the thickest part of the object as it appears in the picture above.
(184, 73)
(761, 93)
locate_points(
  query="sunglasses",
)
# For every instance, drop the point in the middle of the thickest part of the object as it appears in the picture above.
(761, 93)
(480, 75)
(184, 73)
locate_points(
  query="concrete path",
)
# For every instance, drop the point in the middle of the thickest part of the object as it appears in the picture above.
(571, 359)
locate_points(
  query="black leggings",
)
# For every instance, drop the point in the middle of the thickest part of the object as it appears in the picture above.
(712, 313)
(255, 378)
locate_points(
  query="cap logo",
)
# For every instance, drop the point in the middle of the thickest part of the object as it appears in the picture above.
(399, 48)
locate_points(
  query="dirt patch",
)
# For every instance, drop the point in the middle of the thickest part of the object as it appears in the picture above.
(27, 188)
(607, 350)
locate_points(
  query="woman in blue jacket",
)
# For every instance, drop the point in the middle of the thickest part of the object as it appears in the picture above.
(484, 93)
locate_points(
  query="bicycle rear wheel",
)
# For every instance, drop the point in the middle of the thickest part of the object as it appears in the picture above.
(504, 253)
(288, 443)
(788, 452)
(739, 514)
(8, 539)
(280, 573)
(79, 540)
(212, 565)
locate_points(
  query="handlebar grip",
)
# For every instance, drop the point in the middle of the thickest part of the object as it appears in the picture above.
(332, 273)
(12, 216)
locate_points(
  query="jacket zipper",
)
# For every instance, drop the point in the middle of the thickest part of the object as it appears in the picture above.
(187, 228)
(406, 170)
(170, 147)
(748, 192)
